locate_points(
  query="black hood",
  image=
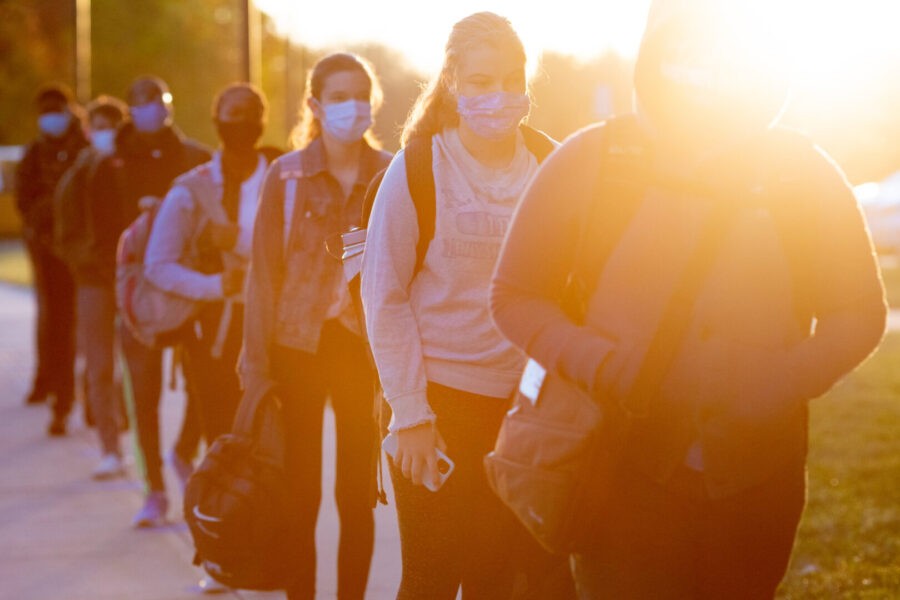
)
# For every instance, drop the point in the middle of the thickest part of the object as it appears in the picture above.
(129, 142)
(703, 72)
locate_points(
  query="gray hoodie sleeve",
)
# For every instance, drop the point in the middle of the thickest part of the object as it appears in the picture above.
(387, 271)
(170, 238)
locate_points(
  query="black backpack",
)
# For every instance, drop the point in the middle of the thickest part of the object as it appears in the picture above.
(237, 504)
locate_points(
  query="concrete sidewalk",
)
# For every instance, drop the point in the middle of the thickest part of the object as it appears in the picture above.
(65, 536)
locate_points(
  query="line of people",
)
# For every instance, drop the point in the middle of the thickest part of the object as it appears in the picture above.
(471, 245)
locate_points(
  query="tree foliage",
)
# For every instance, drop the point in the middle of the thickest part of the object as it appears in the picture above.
(194, 46)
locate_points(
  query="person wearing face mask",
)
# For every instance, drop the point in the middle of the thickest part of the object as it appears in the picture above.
(150, 152)
(446, 371)
(96, 305)
(200, 246)
(300, 330)
(739, 284)
(45, 161)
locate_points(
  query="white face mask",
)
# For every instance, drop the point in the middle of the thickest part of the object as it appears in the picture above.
(104, 140)
(348, 121)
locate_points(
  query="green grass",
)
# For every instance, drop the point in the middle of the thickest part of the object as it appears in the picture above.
(848, 544)
(14, 265)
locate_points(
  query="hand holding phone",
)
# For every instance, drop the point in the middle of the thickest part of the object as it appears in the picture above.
(444, 465)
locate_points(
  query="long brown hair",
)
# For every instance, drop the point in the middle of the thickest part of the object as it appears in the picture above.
(435, 108)
(309, 128)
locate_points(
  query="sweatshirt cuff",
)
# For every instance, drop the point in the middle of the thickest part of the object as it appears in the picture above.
(244, 242)
(583, 358)
(409, 410)
(213, 285)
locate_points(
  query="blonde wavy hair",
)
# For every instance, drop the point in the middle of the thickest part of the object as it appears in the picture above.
(308, 127)
(435, 108)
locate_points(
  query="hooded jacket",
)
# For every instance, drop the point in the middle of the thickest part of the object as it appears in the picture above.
(732, 402)
(37, 175)
(141, 166)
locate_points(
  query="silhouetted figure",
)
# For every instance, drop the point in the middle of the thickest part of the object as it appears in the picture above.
(150, 153)
(730, 279)
(45, 161)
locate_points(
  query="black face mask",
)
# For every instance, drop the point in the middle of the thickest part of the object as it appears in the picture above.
(239, 135)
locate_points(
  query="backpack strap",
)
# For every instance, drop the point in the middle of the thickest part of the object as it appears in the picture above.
(537, 142)
(622, 180)
(291, 171)
(206, 193)
(369, 199)
(418, 158)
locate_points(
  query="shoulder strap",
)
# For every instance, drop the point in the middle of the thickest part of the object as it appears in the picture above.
(622, 179)
(420, 179)
(205, 192)
(676, 318)
(537, 142)
(249, 409)
(291, 171)
(369, 199)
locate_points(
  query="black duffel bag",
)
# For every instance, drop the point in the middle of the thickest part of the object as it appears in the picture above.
(236, 503)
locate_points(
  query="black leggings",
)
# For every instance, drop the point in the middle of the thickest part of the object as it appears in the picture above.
(213, 383)
(339, 370)
(462, 535)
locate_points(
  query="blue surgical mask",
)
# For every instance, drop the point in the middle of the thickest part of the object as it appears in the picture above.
(150, 117)
(104, 140)
(348, 121)
(54, 124)
(494, 116)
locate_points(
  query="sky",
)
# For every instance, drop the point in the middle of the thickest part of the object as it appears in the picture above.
(828, 36)
(419, 28)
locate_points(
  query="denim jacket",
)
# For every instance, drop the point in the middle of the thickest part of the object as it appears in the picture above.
(291, 285)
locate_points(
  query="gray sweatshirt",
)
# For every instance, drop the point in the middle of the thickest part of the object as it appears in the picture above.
(435, 325)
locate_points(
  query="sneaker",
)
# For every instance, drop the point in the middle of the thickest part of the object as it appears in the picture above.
(208, 585)
(183, 468)
(110, 466)
(36, 396)
(57, 426)
(153, 512)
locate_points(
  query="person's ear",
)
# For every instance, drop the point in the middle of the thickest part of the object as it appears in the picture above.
(316, 108)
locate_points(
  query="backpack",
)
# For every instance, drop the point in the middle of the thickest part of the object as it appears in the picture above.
(237, 504)
(154, 316)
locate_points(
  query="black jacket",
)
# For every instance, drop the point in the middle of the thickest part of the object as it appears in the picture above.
(141, 166)
(45, 161)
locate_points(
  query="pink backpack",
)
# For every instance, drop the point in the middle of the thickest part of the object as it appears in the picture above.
(154, 316)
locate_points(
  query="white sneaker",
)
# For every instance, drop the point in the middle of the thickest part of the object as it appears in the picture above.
(153, 512)
(110, 466)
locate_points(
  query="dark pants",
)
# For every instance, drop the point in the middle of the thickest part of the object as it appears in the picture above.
(671, 541)
(142, 378)
(55, 330)
(463, 534)
(214, 388)
(97, 338)
(339, 370)
(143, 373)
(191, 433)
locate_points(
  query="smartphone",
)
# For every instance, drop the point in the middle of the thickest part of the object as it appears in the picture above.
(445, 465)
